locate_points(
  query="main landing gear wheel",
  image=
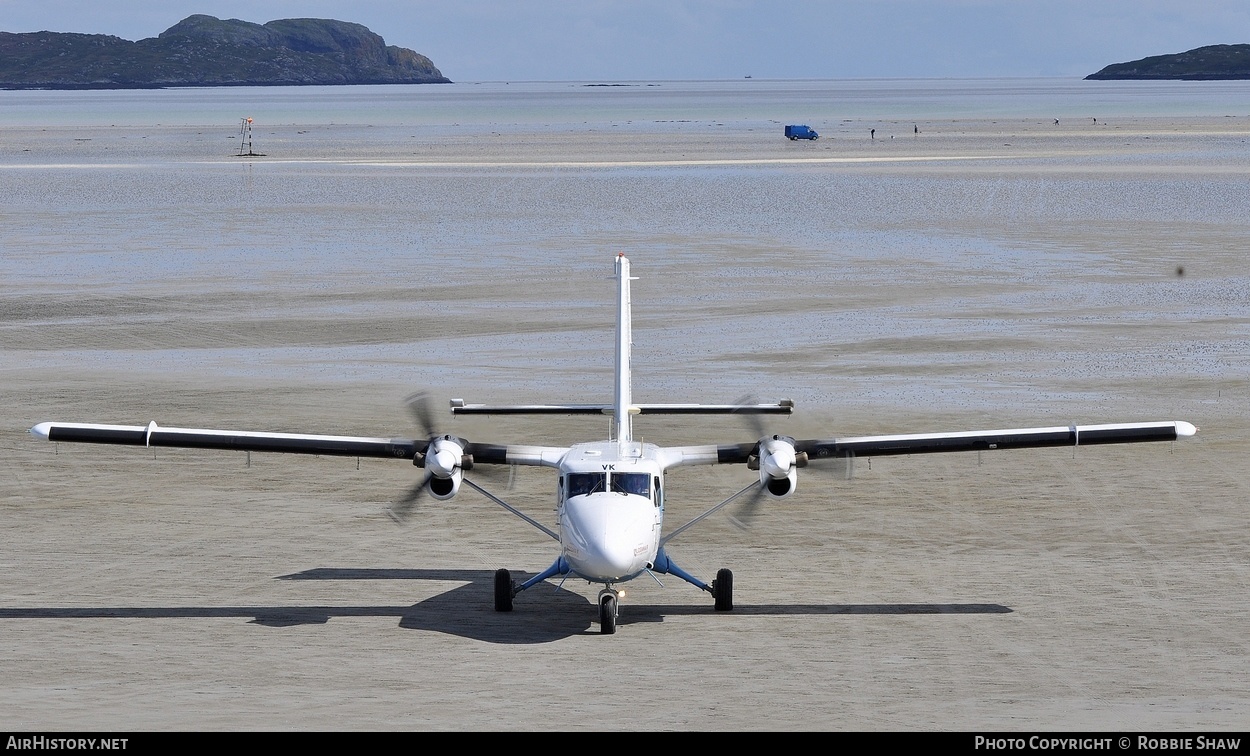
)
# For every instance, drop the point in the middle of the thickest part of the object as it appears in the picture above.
(607, 612)
(503, 591)
(723, 590)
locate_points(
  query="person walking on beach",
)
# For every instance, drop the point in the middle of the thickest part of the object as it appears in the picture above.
(872, 133)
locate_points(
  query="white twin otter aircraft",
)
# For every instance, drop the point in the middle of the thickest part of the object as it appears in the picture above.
(611, 493)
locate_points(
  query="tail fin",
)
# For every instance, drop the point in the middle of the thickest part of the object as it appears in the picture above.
(622, 403)
(622, 408)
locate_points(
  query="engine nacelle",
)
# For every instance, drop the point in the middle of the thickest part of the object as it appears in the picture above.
(779, 488)
(444, 461)
(778, 464)
(444, 488)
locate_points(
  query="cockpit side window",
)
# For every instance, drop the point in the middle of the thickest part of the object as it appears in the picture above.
(581, 484)
(638, 484)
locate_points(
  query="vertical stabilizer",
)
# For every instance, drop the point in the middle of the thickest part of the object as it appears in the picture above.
(623, 401)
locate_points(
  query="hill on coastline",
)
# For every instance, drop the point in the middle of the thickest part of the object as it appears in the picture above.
(1200, 64)
(203, 51)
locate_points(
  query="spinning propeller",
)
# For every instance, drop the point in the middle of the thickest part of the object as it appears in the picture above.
(775, 458)
(443, 458)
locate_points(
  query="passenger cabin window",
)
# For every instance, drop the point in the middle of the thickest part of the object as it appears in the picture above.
(638, 484)
(581, 484)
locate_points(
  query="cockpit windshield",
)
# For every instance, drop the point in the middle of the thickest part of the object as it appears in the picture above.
(638, 484)
(581, 484)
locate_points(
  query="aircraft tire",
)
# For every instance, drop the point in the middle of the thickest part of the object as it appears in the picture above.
(607, 614)
(723, 590)
(503, 591)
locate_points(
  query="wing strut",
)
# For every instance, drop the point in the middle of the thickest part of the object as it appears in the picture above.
(511, 508)
(754, 486)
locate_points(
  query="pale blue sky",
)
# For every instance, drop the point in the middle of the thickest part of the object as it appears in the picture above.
(579, 40)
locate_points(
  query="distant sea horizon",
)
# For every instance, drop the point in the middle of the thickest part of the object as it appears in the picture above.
(538, 103)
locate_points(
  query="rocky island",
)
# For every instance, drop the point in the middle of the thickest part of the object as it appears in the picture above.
(203, 51)
(1200, 64)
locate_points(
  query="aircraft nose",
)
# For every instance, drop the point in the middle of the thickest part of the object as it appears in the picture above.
(616, 554)
(612, 533)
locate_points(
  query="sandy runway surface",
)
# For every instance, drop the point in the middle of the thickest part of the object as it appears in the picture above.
(1104, 278)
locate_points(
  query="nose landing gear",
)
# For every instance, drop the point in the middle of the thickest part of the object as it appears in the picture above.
(608, 610)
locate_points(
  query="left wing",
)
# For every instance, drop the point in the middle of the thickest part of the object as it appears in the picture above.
(927, 443)
(1015, 438)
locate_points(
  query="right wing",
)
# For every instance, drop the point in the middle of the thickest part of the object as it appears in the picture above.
(290, 443)
(202, 438)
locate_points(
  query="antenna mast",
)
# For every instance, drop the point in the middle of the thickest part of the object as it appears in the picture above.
(245, 140)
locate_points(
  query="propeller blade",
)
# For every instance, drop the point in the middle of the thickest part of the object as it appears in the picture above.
(419, 407)
(745, 515)
(744, 518)
(751, 419)
(403, 508)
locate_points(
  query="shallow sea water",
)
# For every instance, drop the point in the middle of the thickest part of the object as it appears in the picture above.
(948, 259)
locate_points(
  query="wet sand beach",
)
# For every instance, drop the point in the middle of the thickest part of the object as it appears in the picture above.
(971, 273)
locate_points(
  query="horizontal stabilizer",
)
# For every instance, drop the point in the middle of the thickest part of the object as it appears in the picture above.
(783, 407)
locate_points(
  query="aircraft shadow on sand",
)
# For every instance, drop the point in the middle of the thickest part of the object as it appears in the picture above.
(548, 613)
